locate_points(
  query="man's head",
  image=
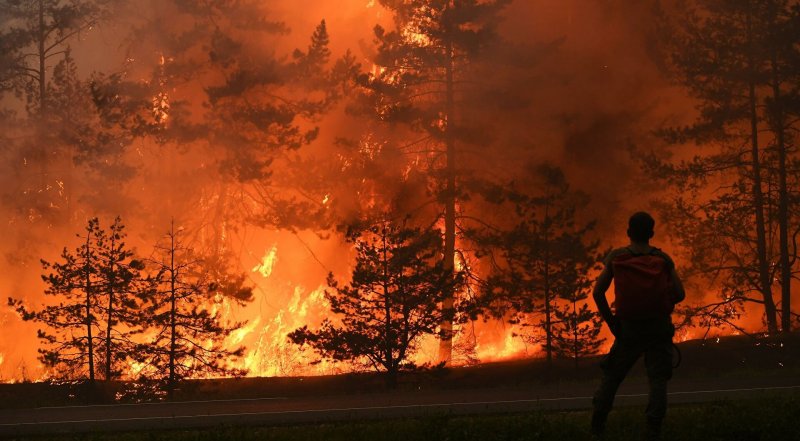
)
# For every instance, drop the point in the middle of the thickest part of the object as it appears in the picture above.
(640, 227)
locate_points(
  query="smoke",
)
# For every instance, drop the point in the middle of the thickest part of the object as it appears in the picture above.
(594, 89)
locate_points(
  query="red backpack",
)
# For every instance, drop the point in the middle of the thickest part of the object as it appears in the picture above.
(642, 284)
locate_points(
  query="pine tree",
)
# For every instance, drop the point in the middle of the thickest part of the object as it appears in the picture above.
(38, 66)
(391, 302)
(69, 348)
(120, 285)
(418, 81)
(95, 287)
(576, 329)
(33, 33)
(189, 333)
(783, 72)
(734, 58)
(544, 257)
(220, 97)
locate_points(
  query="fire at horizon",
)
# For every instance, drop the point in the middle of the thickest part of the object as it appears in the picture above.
(273, 189)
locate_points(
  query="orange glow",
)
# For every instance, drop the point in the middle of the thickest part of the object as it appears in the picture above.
(288, 269)
(272, 354)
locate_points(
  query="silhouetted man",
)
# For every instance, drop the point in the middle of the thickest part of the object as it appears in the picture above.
(646, 289)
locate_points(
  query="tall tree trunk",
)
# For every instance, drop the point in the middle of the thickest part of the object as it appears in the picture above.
(41, 149)
(219, 223)
(88, 290)
(172, 313)
(548, 325)
(42, 55)
(783, 199)
(758, 197)
(110, 311)
(448, 302)
(758, 206)
(387, 311)
(575, 330)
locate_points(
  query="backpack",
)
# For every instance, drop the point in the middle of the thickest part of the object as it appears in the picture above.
(642, 285)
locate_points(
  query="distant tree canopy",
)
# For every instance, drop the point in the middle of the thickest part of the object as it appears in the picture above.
(46, 106)
(222, 98)
(391, 302)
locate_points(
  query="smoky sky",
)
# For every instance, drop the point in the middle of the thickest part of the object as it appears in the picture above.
(597, 91)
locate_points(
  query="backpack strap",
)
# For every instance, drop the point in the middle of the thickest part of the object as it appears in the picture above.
(657, 252)
(653, 252)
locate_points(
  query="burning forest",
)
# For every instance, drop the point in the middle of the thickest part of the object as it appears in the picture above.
(264, 188)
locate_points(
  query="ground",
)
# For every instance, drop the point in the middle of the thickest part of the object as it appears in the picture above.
(730, 365)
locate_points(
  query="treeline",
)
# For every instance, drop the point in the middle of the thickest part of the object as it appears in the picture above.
(734, 209)
(535, 275)
(119, 316)
(419, 154)
(425, 116)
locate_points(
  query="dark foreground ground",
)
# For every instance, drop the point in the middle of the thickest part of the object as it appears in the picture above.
(772, 418)
(729, 389)
(775, 360)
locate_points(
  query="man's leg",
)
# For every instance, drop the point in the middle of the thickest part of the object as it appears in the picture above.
(658, 360)
(615, 366)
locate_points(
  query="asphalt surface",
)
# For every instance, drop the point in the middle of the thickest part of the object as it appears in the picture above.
(304, 410)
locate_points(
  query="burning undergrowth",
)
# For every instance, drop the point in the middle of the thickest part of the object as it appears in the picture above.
(269, 142)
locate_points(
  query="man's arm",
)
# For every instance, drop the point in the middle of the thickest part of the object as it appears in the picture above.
(599, 296)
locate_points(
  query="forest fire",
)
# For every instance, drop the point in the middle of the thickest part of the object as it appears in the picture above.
(289, 178)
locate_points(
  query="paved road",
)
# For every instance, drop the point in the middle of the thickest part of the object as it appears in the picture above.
(293, 410)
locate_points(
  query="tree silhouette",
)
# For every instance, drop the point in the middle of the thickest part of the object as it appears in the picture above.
(545, 256)
(422, 68)
(391, 302)
(121, 284)
(96, 287)
(576, 328)
(735, 58)
(220, 97)
(185, 329)
(70, 345)
(38, 66)
(33, 33)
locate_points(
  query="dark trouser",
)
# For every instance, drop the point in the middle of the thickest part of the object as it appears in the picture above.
(653, 338)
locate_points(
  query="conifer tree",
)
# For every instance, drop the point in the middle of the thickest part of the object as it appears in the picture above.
(120, 285)
(95, 288)
(421, 67)
(188, 330)
(391, 302)
(49, 105)
(220, 97)
(70, 344)
(544, 257)
(35, 34)
(738, 59)
(576, 329)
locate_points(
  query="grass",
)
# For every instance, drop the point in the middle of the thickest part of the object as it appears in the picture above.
(726, 358)
(763, 419)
